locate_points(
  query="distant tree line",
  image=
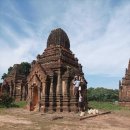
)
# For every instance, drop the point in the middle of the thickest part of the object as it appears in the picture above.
(102, 94)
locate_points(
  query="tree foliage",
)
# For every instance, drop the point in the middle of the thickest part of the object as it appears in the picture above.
(9, 69)
(4, 76)
(6, 100)
(102, 94)
(25, 68)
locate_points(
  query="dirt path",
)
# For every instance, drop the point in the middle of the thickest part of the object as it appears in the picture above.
(13, 119)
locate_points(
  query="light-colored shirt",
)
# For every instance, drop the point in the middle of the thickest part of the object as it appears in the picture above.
(80, 98)
(76, 83)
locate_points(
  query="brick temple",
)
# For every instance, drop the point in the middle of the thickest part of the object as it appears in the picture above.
(50, 80)
(15, 84)
(124, 88)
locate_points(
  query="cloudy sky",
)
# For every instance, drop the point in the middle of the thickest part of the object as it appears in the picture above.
(99, 33)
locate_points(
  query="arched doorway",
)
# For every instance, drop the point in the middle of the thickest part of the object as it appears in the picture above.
(35, 97)
(35, 93)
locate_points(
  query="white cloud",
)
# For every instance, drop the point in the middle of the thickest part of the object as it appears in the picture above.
(14, 47)
(101, 36)
(98, 32)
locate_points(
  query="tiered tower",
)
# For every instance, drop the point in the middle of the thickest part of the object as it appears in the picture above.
(124, 88)
(51, 76)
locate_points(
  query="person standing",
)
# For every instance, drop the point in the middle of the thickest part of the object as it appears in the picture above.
(76, 84)
(81, 104)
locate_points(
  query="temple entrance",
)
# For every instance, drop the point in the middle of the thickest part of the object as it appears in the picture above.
(35, 97)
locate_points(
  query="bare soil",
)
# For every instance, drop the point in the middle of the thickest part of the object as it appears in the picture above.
(22, 119)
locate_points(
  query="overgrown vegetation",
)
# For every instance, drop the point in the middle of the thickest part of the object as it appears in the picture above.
(25, 68)
(4, 76)
(20, 104)
(102, 94)
(6, 101)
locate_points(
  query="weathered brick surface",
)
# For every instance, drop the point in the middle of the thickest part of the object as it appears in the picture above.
(50, 80)
(124, 88)
(15, 84)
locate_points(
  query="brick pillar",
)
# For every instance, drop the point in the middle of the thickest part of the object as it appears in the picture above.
(14, 90)
(66, 95)
(59, 88)
(32, 96)
(51, 86)
(51, 95)
(29, 97)
(65, 86)
(59, 92)
(39, 95)
(44, 98)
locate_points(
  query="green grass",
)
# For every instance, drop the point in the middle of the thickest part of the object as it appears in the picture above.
(106, 106)
(20, 104)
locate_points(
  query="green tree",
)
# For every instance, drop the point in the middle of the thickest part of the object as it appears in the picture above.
(102, 94)
(9, 69)
(25, 68)
(6, 100)
(4, 76)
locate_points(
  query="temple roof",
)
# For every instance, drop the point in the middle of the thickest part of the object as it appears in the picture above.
(126, 78)
(58, 37)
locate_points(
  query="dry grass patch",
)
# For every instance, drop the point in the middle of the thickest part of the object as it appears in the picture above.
(22, 119)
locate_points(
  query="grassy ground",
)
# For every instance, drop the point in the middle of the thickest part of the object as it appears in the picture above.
(110, 106)
(20, 104)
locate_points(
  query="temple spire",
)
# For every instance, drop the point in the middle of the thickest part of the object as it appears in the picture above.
(124, 87)
(129, 64)
(128, 70)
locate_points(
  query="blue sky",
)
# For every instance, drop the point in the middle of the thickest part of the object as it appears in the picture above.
(99, 33)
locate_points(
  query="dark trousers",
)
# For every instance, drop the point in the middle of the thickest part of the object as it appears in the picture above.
(76, 91)
(81, 106)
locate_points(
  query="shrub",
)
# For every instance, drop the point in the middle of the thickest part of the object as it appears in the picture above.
(6, 100)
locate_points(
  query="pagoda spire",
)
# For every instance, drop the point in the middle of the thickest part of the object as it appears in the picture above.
(129, 64)
(124, 86)
(128, 70)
